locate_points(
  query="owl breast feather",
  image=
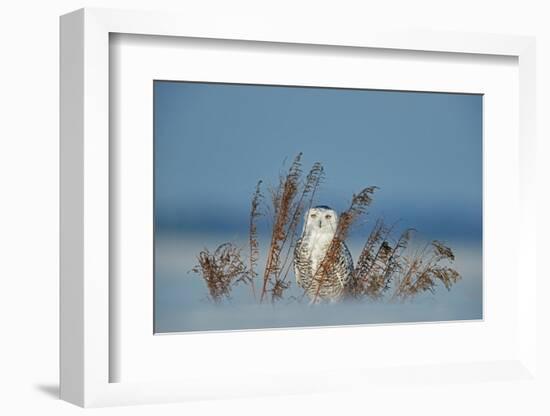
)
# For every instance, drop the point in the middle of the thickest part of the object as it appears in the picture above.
(325, 286)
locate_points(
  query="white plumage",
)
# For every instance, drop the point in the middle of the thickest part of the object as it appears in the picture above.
(319, 228)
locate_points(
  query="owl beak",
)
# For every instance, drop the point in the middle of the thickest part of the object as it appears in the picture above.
(320, 223)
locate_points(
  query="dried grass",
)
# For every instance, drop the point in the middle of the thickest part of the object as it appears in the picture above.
(221, 270)
(358, 206)
(289, 200)
(422, 271)
(254, 246)
(283, 201)
(379, 262)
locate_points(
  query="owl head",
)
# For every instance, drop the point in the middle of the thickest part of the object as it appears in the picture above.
(320, 220)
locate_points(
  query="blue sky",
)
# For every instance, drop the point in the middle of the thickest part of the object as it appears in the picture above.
(214, 141)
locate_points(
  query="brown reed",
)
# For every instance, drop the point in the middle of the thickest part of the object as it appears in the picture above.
(254, 246)
(221, 270)
(422, 271)
(282, 198)
(379, 262)
(289, 200)
(358, 206)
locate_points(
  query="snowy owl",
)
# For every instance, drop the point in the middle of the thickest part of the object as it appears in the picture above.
(319, 228)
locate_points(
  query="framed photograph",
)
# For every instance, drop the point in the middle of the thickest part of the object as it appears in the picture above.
(244, 212)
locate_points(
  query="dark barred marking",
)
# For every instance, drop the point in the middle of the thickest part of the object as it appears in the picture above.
(333, 285)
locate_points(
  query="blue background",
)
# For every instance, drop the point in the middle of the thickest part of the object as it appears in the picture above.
(214, 141)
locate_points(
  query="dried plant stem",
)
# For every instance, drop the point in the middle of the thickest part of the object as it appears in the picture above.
(358, 206)
(283, 199)
(254, 246)
(424, 271)
(221, 269)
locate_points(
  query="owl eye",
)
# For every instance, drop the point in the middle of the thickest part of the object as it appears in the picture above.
(313, 215)
(328, 216)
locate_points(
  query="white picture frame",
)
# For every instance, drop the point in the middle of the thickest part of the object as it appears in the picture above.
(86, 330)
